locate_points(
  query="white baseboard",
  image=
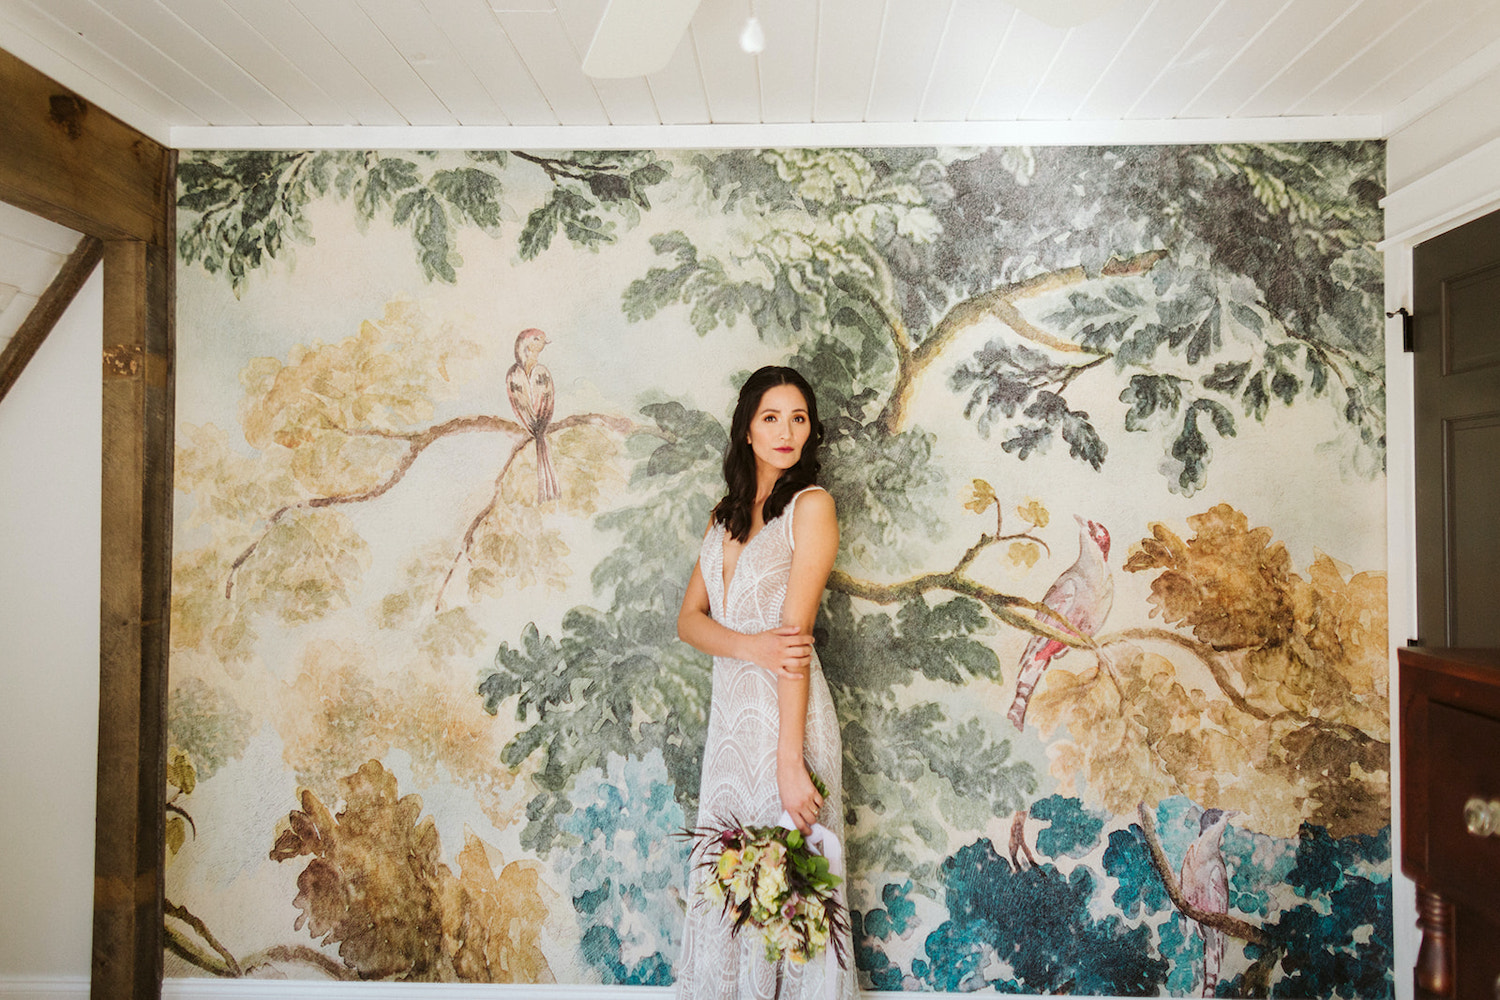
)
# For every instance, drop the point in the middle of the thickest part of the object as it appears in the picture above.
(44, 987)
(77, 988)
(305, 989)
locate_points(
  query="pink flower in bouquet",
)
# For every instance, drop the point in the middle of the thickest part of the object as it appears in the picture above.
(770, 878)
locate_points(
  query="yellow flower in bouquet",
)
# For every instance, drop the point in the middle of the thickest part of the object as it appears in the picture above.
(772, 879)
(770, 882)
(785, 940)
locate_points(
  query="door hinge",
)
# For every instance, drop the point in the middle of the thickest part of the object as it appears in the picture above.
(1408, 340)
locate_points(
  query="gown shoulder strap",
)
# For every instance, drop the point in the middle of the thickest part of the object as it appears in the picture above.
(791, 507)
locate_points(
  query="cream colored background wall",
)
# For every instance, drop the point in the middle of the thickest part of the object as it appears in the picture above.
(49, 651)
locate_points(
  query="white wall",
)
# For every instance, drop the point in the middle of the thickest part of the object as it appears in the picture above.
(1443, 169)
(1459, 125)
(49, 650)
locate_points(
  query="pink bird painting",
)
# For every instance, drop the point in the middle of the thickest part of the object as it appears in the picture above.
(528, 383)
(1205, 885)
(1079, 601)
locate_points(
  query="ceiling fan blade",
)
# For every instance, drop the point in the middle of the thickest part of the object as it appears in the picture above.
(637, 37)
(1064, 13)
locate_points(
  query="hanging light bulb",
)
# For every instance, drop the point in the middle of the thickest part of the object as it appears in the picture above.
(752, 37)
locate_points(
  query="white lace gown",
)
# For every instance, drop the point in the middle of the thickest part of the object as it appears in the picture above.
(739, 774)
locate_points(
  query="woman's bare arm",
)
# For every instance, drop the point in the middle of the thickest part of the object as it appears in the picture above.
(784, 651)
(815, 543)
(815, 536)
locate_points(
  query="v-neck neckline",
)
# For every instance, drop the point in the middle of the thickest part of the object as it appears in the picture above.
(728, 581)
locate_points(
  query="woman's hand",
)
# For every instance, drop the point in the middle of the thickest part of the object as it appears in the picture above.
(786, 652)
(799, 797)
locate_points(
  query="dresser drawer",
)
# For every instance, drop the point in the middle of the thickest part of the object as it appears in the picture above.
(1464, 765)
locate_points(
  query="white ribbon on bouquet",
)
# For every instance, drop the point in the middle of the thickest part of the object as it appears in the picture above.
(825, 842)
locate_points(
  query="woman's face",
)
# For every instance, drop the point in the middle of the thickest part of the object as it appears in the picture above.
(779, 428)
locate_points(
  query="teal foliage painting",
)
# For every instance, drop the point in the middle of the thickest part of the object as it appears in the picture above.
(626, 871)
(1106, 634)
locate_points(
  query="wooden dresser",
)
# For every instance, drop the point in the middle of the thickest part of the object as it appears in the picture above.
(1450, 816)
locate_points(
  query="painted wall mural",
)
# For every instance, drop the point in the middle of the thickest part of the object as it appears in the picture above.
(449, 427)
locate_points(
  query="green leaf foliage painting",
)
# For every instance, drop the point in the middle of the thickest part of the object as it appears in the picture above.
(430, 720)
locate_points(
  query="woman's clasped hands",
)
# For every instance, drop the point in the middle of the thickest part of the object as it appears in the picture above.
(785, 651)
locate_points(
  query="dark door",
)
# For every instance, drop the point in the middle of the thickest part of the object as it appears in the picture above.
(1457, 307)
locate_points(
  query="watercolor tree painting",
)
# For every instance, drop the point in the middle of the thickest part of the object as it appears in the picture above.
(449, 430)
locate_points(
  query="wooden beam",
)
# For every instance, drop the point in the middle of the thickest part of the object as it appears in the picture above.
(66, 160)
(135, 564)
(48, 310)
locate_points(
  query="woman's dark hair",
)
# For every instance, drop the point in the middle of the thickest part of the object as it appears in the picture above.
(734, 511)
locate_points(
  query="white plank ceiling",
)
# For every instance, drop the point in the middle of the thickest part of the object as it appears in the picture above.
(176, 68)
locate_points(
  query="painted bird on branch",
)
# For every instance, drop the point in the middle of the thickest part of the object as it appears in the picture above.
(1205, 884)
(1079, 601)
(1021, 858)
(528, 383)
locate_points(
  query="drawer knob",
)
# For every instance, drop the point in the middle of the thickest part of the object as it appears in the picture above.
(1482, 817)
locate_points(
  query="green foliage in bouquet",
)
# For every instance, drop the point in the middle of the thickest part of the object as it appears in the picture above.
(770, 878)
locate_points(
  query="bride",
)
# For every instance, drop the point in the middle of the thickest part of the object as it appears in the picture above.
(750, 603)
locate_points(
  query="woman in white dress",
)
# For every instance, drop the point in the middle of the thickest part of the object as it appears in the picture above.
(751, 603)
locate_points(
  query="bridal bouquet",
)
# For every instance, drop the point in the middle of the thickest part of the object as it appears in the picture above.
(774, 879)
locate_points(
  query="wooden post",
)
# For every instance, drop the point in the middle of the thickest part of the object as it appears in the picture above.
(135, 564)
(70, 162)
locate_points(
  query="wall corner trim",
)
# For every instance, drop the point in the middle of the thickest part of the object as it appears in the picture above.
(1449, 196)
(756, 135)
